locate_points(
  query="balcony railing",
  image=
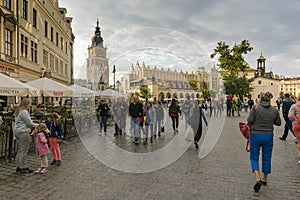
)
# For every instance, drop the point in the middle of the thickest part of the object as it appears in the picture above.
(8, 58)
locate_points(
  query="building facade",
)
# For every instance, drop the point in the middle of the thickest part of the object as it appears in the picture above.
(167, 84)
(36, 39)
(264, 81)
(97, 63)
(290, 86)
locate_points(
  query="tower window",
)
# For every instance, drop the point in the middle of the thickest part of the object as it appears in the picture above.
(259, 82)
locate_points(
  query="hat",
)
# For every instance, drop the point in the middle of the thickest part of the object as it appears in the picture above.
(265, 96)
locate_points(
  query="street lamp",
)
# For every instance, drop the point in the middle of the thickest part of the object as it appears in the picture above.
(114, 72)
(118, 83)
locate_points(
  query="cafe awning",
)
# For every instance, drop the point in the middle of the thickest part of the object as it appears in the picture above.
(13, 87)
(51, 88)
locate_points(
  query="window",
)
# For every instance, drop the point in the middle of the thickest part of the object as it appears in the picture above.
(62, 43)
(8, 42)
(66, 69)
(56, 65)
(259, 82)
(34, 18)
(56, 38)
(33, 52)
(24, 46)
(51, 34)
(45, 58)
(46, 29)
(66, 47)
(61, 67)
(8, 4)
(24, 9)
(52, 62)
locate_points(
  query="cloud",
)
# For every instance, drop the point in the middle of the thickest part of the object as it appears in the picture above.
(188, 31)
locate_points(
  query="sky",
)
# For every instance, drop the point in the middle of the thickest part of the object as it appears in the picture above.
(181, 34)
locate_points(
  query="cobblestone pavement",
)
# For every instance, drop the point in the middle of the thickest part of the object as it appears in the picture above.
(223, 174)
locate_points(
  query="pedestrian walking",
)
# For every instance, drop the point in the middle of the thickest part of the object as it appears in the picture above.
(136, 113)
(286, 105)
(262, 119)
(41, 132)
(250, 103)
(55, 127)
(238, 106)
(228, 106)
(278, 103)
(103, 111)
(22, 129)
(294, 116)
(245, 104)
(195, 120)
(124, 114)
(185, 108)
(174, 112)
(159, 110)
(150, 121)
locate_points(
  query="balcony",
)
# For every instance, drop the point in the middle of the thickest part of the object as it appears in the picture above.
(8, 58)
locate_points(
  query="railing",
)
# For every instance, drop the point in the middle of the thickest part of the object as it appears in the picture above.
(8, 58)
(8, 143)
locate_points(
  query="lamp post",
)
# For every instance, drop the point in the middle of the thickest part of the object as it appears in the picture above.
(118, 83)
(114, 72)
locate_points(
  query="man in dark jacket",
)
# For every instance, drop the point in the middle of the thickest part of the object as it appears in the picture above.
(286, 105)
(136, 112)
(103, 111)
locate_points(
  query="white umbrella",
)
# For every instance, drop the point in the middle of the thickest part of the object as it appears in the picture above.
(51, 88)
(13, 87)
(109, 93)
(79, 91)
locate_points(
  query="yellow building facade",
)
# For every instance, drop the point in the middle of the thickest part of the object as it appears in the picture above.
(36, 39)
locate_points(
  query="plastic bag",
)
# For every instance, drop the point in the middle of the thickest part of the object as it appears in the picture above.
(189, 134)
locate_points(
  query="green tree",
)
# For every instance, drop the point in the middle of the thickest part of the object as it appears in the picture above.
(234, 66)
(145, 93)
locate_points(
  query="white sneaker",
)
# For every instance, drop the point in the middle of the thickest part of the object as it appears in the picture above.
(38, 170)
(44, 170)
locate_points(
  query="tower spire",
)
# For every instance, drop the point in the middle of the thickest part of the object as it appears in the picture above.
(97, 39)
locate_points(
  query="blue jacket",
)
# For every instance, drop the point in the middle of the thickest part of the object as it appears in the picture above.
(55, 131)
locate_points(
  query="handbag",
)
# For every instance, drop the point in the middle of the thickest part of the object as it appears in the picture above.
(245, 130)
(189, 134)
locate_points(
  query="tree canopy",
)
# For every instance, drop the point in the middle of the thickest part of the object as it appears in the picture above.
(234, 66)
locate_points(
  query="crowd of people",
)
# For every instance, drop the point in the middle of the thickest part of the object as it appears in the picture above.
(147, 118)
(51, 129)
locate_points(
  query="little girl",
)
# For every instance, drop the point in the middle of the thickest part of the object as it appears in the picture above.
(41, 146)
(55, 127)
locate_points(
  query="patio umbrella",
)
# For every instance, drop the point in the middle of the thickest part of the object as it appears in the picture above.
(109, 93)
(79, 91)
(13, 87)
(51, 88)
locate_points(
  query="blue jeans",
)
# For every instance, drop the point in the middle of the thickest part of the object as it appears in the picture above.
(102, 122)
(264, 141)
(136, 128)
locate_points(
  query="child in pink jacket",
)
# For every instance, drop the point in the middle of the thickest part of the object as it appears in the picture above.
(41, 132)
